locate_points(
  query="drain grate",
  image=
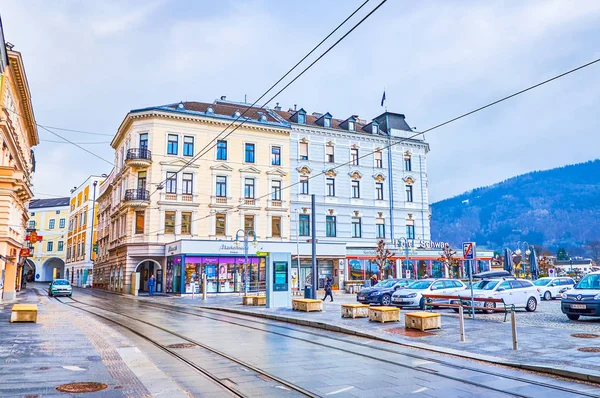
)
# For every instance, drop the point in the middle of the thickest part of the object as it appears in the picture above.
(181, 345)
(589, 349)
(86, 386)
(585, 335)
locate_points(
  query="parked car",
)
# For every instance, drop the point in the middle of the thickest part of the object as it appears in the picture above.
(382, 292)
(518, 292)
(412, 295)
(550, 288)
(60, 287)
(493, 275)
(583, 299)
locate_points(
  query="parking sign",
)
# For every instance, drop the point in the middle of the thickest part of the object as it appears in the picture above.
(469, 250)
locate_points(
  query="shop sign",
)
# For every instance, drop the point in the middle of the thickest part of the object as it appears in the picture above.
(420, 244)
(172, 249)
(25, 252)
(262, 254)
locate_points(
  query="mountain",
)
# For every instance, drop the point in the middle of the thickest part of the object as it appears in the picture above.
(552, 208)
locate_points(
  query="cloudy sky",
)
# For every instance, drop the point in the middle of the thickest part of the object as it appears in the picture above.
(88, 63)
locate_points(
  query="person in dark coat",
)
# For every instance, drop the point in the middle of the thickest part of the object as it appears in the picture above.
(151, 284)
(328, 290)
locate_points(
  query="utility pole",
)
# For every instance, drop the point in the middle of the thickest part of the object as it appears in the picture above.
(313, 221)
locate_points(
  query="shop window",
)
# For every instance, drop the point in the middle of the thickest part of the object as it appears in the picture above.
(140, 221)
(330, 226)
(220, 221)
(276, 227)
(249, 224)
(169, 222)
(186, 223)
(304, 225)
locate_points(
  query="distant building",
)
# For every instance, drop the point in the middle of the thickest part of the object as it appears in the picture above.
(48, 217)
(584, 266)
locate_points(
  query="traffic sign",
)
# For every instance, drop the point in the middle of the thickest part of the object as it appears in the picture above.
(469, 250)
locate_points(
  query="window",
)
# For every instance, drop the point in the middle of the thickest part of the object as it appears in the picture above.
(221, 150)
(276, 156)
(356, 189)
(276, 227)
(169, 222)
(83, 249)
(304, 185)
(51, 224)
(276, 190)
(438, 285)
(187, 180)
(68, 253)
(410, 231)
(188, 146)
(380, 228)
(330, 226)
(304, 225)
(50, 246)
(374, 129)
(327, 122)
(220, 221)
(378, 159)
(409, 193)
(171, 182)
(249, 188)
(301, 118)
(329, 158)
(61, 245)
(172, 144)
(144, 141)
(354, 156)
(504, 285)
(407, 163)
(140, 221)
(31, 224)
(249, 153)
(61, 223)
(221, 187)
(141, 182)
(83, 218)
(330, 182)
(33, 214)
(57, 211)
(186, 223)
(303, 150)
(379, 190)
(351, 125)
(356, 227)
(249, 224)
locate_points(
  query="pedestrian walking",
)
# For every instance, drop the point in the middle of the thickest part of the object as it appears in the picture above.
(328, 290)
(151, 284)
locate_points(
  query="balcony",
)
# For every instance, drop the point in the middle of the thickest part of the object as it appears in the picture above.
(137, 197)
(138, 157)
(220, 202)
(276, 205)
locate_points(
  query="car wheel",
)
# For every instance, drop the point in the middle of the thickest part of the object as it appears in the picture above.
(386, 300)
(491, 305)
(573, 317)
(531, 304)
(547, 296)
(422, 304)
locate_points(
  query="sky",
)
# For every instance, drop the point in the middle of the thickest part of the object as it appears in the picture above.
(89, 63)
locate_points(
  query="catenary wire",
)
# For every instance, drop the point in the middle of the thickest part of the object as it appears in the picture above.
(79, 143)
(78, 131)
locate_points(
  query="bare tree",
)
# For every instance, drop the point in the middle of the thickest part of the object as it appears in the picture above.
(449, 259)
(593, 249)
(382, 257)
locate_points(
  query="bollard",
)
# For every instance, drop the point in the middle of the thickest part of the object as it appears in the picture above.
(462, 324)
(204, 287)
(513, 324)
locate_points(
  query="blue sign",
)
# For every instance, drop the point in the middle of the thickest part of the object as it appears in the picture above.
(469, 250)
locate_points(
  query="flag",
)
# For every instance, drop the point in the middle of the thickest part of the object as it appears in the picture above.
(383, 98)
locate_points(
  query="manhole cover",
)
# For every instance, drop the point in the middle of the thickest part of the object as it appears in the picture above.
(181, 345)
(86, 386)
(408, 332)
(585, 335)
(589, 349)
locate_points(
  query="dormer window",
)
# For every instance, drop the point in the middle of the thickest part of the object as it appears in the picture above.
(262, 118)
(351, 125)
(301, 118)
(210, 110)
(237, 114)
(374, 128)
(180, 106)
(327, 122)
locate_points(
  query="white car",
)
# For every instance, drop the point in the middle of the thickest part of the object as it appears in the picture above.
(550, 288)
(518, 292)
(412, 295)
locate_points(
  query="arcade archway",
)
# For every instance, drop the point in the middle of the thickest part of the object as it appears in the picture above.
(53, 268)
(145, 269)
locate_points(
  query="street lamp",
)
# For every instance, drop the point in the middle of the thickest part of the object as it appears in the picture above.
(237, 241)
(92, 231)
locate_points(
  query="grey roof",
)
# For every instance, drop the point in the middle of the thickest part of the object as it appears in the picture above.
(54, 202)
(396, 120)
(575, 262)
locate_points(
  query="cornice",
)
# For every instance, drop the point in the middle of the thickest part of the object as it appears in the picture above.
(18, 71)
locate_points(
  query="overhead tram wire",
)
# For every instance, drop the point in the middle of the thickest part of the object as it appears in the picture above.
(206, 148)
(80, 143)
(78, 131)
(437, 126)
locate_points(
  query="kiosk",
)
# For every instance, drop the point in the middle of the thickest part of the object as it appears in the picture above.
(278, 278)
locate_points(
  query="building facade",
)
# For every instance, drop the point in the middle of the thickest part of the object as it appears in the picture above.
(48, 218)
(148, 201)
(18, 134)
(82, 232)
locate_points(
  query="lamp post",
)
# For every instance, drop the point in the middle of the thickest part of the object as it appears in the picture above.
(92, 231)
(237, 241)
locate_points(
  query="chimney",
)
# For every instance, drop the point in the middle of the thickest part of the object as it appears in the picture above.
(277, 107)
(223, 97)
(294, 107)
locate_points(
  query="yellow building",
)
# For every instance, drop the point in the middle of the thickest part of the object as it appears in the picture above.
(148, 201)
(48, 217)
(18, 134)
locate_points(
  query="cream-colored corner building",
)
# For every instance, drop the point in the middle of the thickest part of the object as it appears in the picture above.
(18, 134)
(147, 202)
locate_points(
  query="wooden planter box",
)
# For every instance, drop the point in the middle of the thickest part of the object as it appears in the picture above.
(384, 314)
(423, 321)
(24, 313)
(307, 305)
(254, 300)
(355, 310)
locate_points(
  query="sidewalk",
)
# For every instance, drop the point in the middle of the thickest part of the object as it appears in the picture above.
(65, 346)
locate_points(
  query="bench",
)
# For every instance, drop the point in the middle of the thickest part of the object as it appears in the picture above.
(307, 305)
(24, 313)
(422, 320)
(384, 314)
(481, 303)
(254, 300)
(355, 310)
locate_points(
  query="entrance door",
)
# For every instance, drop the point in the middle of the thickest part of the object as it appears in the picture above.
(159, 281)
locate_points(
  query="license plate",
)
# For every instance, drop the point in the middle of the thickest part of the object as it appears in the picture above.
(578, 306)
(361, 299)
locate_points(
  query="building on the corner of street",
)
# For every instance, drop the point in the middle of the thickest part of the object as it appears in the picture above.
(82, 231)
(157, 218)
(18, 133)
(48, 218)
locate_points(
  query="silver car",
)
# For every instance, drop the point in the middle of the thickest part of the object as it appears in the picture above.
(412, 295)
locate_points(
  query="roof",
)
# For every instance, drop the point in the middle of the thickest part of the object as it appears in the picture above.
(54, 202)
(311, 120)
(574, 262)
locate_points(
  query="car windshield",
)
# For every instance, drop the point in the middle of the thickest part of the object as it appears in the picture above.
(419, 285)
(485, 285)
(60, 282)
(589, 282)
(541, 282)
(386, 283)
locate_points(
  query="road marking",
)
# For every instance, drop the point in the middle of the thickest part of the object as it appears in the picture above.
(340, 390)
(74, 368)
(420, 390)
